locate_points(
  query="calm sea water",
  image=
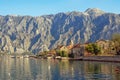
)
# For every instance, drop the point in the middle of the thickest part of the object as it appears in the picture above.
(36, 69)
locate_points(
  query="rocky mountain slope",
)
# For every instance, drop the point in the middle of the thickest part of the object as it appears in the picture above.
(19, 34)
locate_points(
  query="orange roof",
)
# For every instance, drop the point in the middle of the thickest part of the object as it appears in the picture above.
(70, 46)
(52, 52)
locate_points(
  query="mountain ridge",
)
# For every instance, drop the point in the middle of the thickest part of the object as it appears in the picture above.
(19, 34)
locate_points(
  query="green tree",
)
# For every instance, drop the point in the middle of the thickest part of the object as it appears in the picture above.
(59, 53)
(116, 40)
(93, 48)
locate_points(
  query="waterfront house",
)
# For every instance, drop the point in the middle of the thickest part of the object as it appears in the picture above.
(52, 52)
(62, 51)
(61, 48)
(106, 46)
(77, 51)
(103, 44)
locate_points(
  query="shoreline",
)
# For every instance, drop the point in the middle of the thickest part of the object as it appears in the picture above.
(115, 59)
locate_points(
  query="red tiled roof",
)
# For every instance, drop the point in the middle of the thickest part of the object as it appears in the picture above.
(70, 46)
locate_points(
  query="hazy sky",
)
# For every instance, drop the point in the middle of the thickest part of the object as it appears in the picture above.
(43, 7)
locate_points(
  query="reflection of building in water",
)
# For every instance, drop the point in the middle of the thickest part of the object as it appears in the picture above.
(20, 69)
(35, 69)
(14, 68)
(42, 71)
(97, 68)
(68, 70)
(5, 67)
(106, 68)
(26, 68)
(49, 71)
(116, 71)
(64, 68)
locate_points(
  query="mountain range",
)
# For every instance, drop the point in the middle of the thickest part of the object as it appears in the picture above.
(19, 34)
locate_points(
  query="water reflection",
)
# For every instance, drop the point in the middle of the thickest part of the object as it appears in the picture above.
(36, 69)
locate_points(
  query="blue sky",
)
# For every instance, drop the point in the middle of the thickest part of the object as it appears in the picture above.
(44, 7)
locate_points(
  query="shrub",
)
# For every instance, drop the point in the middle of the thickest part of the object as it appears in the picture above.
(93, 48)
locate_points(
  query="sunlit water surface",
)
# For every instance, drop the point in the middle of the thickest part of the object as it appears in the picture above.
(37, 69)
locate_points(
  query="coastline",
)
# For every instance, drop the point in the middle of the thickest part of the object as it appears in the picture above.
(115, 59)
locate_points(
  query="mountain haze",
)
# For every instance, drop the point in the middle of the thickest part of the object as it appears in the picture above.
(19, 34)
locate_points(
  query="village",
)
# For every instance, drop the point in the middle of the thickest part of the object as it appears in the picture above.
(87, 51)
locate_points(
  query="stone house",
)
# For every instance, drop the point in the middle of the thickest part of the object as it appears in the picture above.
(62, 48)
(77, 51)
(52, 52)
(65, 48)
(106, 46)
(103, 44)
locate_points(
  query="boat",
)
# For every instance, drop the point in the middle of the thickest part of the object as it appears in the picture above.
(58, 57)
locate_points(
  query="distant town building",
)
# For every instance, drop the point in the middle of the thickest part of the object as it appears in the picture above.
(62, 48)
(77, 50)
(106, 46)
